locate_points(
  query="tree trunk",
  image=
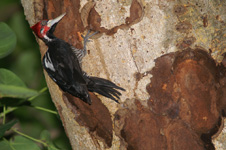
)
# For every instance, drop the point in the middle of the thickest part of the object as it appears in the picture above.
(166, 54)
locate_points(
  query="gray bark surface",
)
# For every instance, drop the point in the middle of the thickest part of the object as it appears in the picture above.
(133, 33)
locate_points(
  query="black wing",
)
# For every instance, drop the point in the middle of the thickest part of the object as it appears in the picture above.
(63, 67)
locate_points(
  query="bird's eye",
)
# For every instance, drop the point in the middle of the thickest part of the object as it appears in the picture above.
(44, 22)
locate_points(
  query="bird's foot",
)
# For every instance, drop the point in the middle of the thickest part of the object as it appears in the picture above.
(86, 39)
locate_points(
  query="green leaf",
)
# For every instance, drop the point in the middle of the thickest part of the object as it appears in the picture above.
(20, 28)
(13, 87)
(5, 145)
(9, 78)
(45, 136)
(19, 143)
(22, 143)
(30, 72)
(7, 40)
(16, 91)
(7, 126)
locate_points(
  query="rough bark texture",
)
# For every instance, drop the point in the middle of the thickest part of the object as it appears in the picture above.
(166, 54)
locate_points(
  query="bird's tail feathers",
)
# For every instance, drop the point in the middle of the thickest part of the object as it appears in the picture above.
(104, 87)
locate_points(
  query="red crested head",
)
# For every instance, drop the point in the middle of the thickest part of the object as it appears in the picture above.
(42, 28)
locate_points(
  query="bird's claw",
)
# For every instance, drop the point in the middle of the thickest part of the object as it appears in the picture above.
(86, 39)
(87, 36)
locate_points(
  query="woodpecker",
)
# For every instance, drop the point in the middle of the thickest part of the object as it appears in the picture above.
(62, 62)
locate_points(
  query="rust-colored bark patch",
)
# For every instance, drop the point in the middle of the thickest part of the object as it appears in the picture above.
(95, 117)
(136, 13)
(85, 12)
(191, 77)
(185, 107)
(141, 129)
(196, 77)
(181, 137)
(94, 19)
(69, 26)
(161, 99)
(222, 101)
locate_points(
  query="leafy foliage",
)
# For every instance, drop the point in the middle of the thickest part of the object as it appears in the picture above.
(12, 86)
(19, 143)
(6, 127)
(7, 40)
(45, 136)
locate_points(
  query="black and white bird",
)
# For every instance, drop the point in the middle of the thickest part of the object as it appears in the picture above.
(62, 62)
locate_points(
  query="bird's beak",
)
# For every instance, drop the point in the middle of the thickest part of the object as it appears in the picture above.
(51, 22)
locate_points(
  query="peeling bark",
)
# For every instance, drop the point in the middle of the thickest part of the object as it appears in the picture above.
(166, 54)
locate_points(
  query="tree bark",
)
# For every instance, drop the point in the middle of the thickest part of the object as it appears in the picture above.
(166, 54)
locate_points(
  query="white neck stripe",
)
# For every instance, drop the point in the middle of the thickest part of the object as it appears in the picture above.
(47, 38)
